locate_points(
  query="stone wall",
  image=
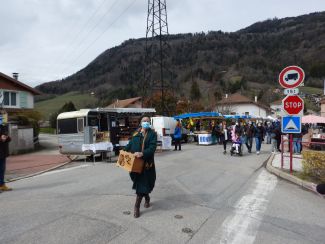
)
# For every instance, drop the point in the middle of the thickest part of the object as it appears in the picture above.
(21, 139)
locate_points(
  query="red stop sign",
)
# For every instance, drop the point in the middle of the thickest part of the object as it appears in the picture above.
(293, 104)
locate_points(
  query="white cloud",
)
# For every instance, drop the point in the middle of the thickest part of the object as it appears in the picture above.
(45, 40)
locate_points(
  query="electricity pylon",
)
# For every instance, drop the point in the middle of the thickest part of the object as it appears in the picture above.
(157, 75)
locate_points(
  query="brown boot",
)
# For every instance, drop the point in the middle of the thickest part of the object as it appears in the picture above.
(137, 206)
(147, 201)
(5, 188)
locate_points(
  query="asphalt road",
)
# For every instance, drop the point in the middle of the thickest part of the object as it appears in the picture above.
(201, 196)
(49, 144)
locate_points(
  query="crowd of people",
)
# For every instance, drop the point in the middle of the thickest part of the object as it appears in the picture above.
(244, 133)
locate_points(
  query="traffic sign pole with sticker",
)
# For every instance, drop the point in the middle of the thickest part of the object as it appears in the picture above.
(292, 105)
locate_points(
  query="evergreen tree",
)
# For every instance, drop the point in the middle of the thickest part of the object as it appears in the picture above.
(67, 107)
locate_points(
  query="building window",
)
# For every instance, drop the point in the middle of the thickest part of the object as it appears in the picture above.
(13, 99)
(10, 99)
(6, 99)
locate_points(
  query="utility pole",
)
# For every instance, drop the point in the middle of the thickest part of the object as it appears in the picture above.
(157, 75)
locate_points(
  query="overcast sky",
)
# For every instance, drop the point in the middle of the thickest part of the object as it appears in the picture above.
(45, 40)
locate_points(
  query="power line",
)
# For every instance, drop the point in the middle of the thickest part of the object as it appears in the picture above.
(85, 37)
(81, 30)
(100, 35)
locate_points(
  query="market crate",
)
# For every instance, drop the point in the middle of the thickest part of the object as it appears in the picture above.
(130, 162)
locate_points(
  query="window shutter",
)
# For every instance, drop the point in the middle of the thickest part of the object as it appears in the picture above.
(23, 99)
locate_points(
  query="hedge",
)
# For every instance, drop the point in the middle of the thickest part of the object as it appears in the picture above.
(313, 164)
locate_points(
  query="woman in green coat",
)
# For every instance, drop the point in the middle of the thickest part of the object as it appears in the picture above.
(143, 145)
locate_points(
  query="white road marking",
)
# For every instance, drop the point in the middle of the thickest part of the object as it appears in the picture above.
(61, 170)
(242, 226)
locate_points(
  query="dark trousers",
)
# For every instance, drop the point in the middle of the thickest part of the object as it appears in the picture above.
(2, 170)
(178, 142)
(249, 143)
(278, 143)
(224, 142)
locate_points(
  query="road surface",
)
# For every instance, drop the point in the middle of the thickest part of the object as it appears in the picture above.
(201, 196)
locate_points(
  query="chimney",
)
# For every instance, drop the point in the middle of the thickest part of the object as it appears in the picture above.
(15, 76)
(256, 99)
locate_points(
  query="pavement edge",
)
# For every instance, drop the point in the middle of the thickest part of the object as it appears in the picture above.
(43, 171)
(293, 179)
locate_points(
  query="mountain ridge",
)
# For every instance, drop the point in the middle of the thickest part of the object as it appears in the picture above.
(252, 58)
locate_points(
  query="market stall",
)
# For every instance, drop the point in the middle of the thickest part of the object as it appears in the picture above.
(88, 129)
(316, 131)
(199, 125)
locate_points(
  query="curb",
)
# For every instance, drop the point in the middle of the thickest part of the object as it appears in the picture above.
(42, 172)
(293, 179)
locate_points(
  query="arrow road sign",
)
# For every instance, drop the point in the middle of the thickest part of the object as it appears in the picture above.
(291, 124)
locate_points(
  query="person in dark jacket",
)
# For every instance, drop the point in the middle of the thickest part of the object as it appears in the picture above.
(178, 136)
(4, 152)
(143, 144)
(224, 136)
(259, 136)
(249, 135)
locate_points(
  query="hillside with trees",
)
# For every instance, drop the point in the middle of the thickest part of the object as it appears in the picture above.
(208, 65)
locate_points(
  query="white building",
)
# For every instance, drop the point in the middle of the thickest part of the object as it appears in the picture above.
(15, 94)
(276, 107)
(16, 98)
(241, 105)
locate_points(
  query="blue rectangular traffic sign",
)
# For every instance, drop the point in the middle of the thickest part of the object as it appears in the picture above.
(291, 124)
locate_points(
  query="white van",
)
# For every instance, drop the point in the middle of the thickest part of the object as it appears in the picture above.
(165, 126)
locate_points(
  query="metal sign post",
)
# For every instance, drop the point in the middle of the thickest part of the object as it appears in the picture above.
(292, 105)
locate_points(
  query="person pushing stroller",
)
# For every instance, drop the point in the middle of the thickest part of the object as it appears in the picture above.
(236, 148)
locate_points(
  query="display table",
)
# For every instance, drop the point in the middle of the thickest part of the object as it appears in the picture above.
(100, 147)
(205, 139)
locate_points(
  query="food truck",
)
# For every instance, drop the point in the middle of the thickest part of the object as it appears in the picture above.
(94, 126)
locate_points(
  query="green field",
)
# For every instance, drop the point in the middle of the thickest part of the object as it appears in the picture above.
(50, 106)
(311, 90)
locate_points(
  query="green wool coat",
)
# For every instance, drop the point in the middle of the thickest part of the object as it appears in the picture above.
(144, 183)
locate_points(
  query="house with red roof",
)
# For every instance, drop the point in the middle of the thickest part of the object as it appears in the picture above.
(15, 95)
(135, 102)
(242, 105)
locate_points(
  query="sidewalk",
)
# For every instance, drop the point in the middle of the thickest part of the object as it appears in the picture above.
(30, 164)
(296, 162)
(274, 166)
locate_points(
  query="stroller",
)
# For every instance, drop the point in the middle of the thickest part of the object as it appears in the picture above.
(236, 147)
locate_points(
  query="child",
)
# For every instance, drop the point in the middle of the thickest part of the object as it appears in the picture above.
(237, 142)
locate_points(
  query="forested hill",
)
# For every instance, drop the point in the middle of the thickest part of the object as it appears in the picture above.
(249, 59)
